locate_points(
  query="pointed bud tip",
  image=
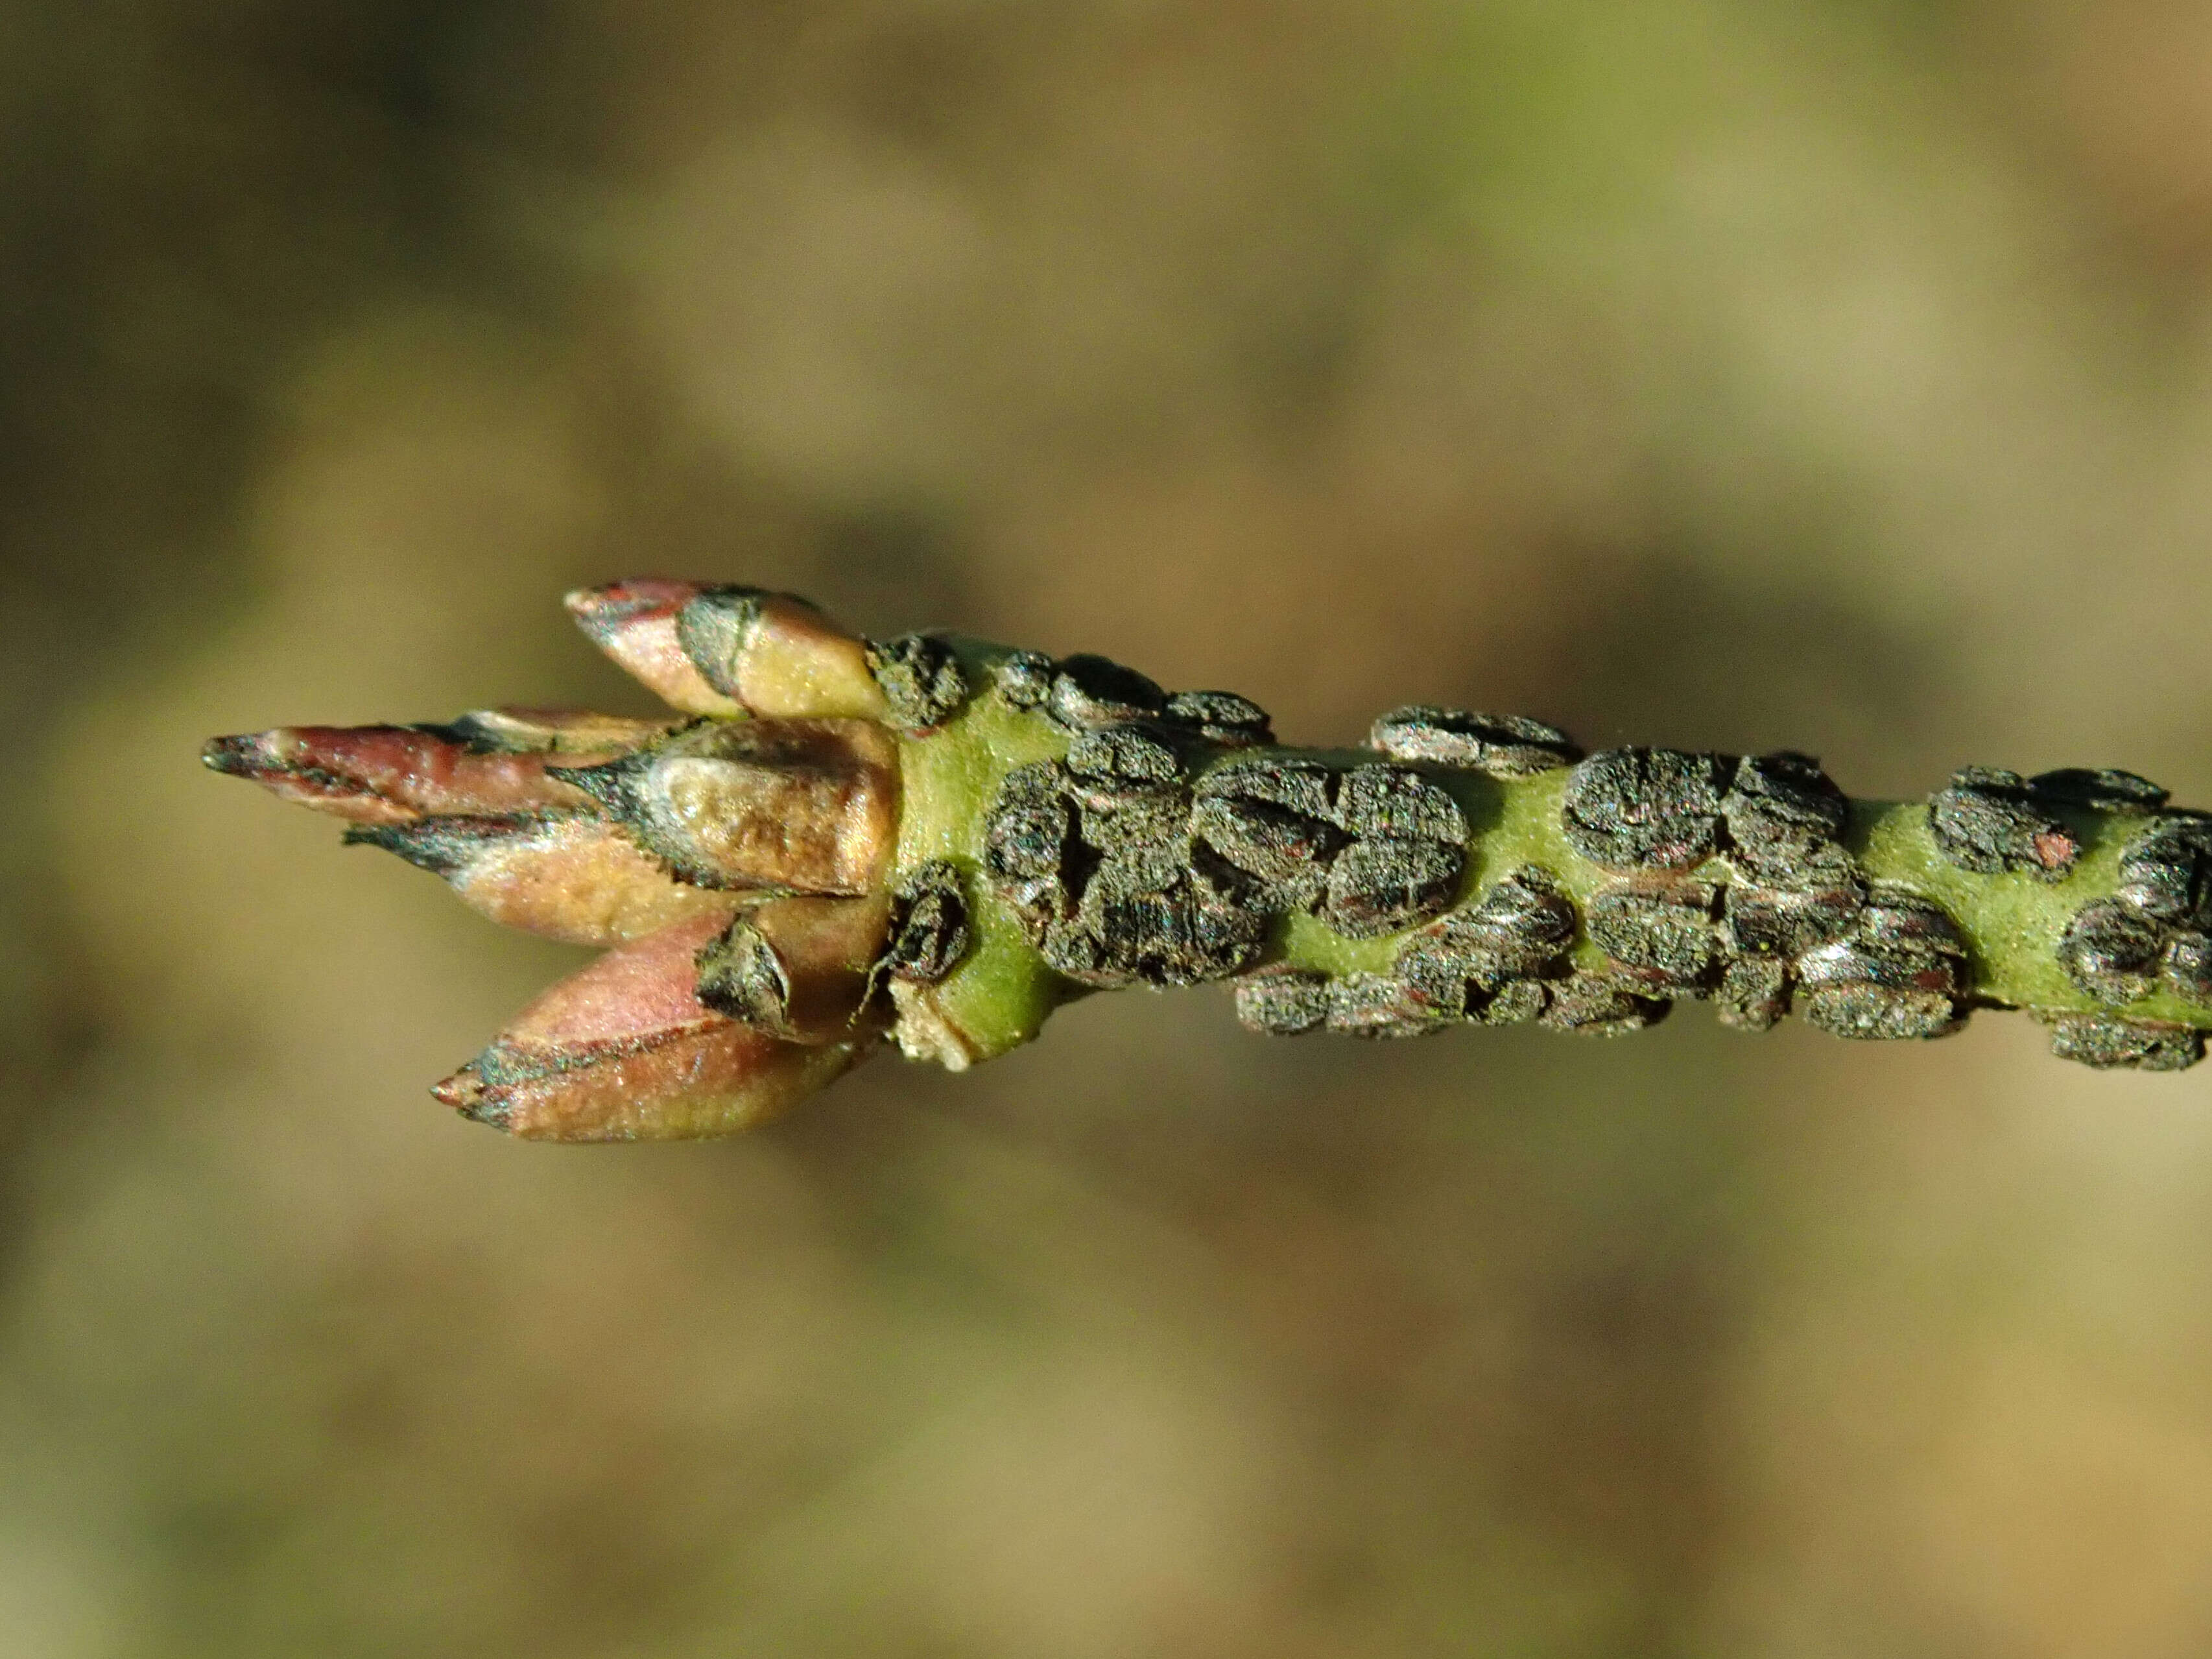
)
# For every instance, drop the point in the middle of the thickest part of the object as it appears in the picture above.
(236, 757)
(603, 609)
(466, 1093)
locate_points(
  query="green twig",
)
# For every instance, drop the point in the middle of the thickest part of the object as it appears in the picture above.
(942, 839)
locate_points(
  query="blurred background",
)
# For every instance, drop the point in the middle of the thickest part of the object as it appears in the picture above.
(1835, 373)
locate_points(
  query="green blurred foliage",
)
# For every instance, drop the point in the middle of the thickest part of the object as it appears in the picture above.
(1821, 373)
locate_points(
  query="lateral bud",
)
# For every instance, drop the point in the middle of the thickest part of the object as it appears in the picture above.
(397, 774)
(625, 1050)
(729, 651)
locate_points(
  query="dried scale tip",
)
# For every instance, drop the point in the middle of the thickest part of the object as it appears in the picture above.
(833, 839)
(799, 968)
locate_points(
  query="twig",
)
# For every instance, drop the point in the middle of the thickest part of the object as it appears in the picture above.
(940, 839)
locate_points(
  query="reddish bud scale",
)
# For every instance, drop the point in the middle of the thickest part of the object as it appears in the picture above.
(634, 622)
(730, 651)
(394, 774)
(626, 1051)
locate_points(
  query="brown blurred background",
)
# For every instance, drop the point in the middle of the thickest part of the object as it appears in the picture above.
(1825, 372)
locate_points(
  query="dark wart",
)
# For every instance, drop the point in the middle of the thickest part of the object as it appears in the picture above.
(1516, 932)
(929, 925)
(1659, 933)
(1386, 883)
(1989, 821)
(1784, 819)
(2100, 790)
(1090, 690)
(1222, 718)
(1499, 745)
(921, 680)
(1378, 1005)
(2166, 873)
(2108, 1043)
(1600, 1004)
(1645, 809)
(1897, 975)
(1284, 1001)
(1024, 678)
(2113, 951)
